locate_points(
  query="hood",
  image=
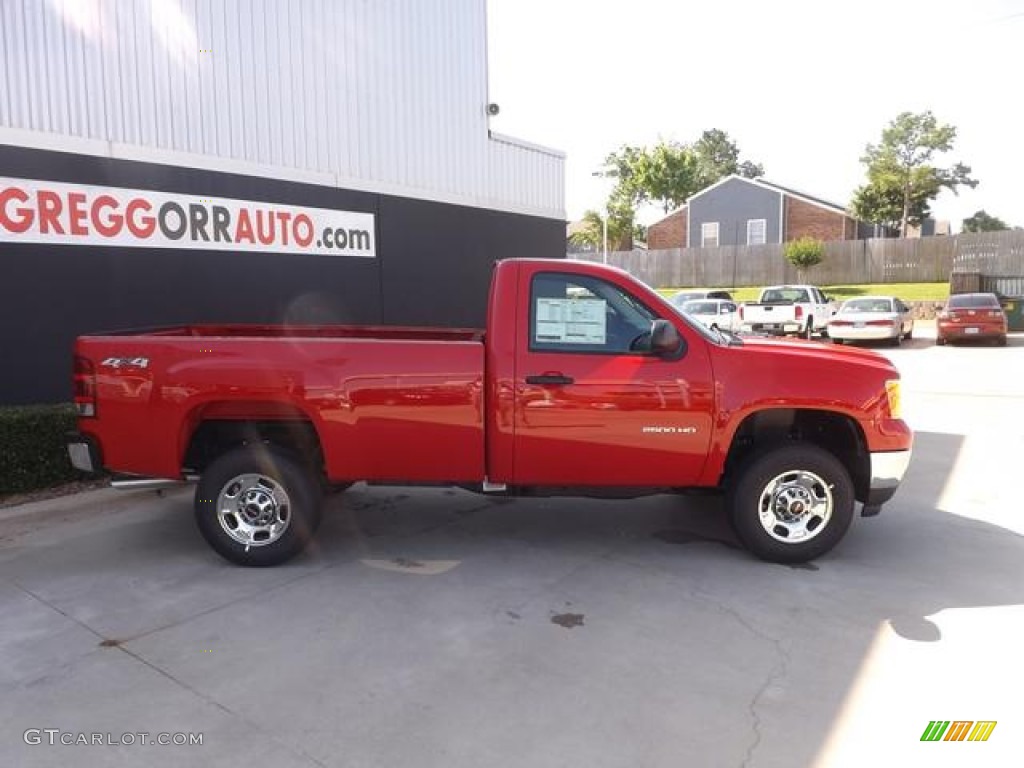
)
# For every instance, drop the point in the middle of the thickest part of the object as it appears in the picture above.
(813, 350)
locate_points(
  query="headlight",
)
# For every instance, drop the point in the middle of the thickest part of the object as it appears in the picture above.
(892, 393)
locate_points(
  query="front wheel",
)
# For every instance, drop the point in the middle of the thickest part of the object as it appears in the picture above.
(257, 506)
(792, 503)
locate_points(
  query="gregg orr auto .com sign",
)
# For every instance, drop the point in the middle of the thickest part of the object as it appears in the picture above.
(73, 214)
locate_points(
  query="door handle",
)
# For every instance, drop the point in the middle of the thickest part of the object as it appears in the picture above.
(550, 378)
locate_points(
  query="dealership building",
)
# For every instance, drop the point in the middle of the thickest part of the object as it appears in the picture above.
(251, 161)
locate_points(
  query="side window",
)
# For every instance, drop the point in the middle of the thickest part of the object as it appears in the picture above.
(709, 234)
(576, 313)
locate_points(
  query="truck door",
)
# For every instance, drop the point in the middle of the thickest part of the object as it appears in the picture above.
(592, 407)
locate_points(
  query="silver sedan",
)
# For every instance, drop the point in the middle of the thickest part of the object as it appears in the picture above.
(714, 313)
(872, 318)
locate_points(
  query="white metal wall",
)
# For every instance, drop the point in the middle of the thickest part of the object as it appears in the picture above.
(382, 95)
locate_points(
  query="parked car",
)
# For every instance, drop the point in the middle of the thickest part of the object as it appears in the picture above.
(872, 318)
(714, 313)
(682, 297)
(972, 316)
(584, 381)
(783, 310)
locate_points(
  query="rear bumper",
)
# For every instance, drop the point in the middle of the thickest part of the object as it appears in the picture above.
(887, 471)
(875, 333)
(778, 329)
(84, 452)
(971, 330)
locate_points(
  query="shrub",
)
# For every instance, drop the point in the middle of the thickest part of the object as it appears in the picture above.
(32, 452)
(804, 253)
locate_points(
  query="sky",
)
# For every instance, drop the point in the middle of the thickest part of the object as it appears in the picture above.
(801, 86)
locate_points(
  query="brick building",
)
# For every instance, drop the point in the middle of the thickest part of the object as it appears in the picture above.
(740, 211)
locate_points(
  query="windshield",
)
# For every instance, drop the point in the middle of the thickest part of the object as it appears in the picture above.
(784, 295)
(973, 301)
(681, 298)
(867, 305)
(700, 307)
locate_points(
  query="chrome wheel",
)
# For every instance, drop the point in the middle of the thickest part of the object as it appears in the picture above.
(253, 510)
(795, 506)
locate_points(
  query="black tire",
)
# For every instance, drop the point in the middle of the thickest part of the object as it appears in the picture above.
(809, 330)
(785, 475)
(895, 342)
(909, 334)
(1001, 341)
(263, 480)
(837, 341)
(939, 341)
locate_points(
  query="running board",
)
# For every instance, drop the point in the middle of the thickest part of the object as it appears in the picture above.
(150, 483)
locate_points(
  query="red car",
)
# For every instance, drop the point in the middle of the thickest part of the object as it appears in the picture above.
(972, 316)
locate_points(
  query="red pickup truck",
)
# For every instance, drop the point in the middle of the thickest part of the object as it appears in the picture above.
(585, 382)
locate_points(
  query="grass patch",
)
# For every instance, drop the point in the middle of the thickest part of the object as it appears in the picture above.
(905, 291)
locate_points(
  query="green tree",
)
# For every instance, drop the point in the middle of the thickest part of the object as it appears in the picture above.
(983, 222)
(882, 203)
(903, 160)
(804, 253)
(669, 173)
(621, 230)
(718, 156)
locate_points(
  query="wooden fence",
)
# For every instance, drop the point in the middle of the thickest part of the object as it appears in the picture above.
(919, 260)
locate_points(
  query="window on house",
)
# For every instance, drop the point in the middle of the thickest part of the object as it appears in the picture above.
(709, 234)
(757, 231)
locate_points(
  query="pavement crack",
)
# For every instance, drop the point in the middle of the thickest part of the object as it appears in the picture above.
(778, 672)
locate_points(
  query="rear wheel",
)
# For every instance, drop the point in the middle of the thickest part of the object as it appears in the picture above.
(257, 506)
(940, 341)
(1001, 341)
(792, 503)
(836, 341)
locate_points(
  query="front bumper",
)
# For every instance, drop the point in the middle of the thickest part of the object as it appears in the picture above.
(84, 452)
(887, 471)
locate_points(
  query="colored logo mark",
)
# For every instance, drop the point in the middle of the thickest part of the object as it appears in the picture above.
(958, 730)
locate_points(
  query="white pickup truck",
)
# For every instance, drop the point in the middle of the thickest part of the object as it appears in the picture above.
(783, 310)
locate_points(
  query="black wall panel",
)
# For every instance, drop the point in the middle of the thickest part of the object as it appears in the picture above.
(432, 267)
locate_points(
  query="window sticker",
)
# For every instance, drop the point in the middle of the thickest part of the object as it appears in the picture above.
(571, 321)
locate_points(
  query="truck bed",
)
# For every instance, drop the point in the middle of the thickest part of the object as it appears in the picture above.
(381, 399)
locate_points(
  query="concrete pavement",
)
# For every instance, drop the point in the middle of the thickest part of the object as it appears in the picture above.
(439, 628)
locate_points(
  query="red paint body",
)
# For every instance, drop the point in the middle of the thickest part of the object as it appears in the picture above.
(441, 405)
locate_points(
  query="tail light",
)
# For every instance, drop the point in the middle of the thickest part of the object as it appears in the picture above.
(886, 323)
(840, 322)
(741, 311)
(84, 386)
(995, 313)
(799, 312)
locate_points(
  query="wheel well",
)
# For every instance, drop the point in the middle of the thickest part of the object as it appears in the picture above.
(837, 433)
(215, 437)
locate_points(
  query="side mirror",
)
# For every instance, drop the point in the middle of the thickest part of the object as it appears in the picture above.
(665, 339)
